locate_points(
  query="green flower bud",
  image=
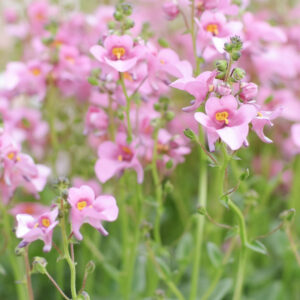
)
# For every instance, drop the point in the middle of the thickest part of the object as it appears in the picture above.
(221, 75)
(168, 187)
(163, 43)
(236, 42)
(118, 16)
(288, 215)
(236, 55)
(127, 9)
(93, 81)
(189, 133)
(90, 267)
(128, 24)
(221, 65)
(201, 210)
(228, 47)
(39, 265)
(170, 115)
(83, 296)
(157, 106)
(238, 74)
(111, 25)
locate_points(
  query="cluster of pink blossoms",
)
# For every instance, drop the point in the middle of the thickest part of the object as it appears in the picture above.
(63, 54)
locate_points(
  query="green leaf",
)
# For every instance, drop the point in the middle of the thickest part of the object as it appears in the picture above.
(2, 270)
(222, 289)
(214, 254)
(183, 249)
(257, 246)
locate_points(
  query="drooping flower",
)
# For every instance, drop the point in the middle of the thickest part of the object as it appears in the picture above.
(30, 229)
(85, 208)
(224, 120)
(198, 87)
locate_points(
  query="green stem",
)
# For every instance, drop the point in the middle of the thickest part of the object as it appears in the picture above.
(112, 128)
(128, 101)
(68, 258)
(202, 197)
(158, 189)
(28, 275)
(228, 69)
(243, 251)
(17, 273)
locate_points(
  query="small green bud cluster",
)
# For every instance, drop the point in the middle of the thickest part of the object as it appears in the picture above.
(234, 47)
(122, 22)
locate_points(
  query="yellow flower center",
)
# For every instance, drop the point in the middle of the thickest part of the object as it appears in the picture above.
(120, 157)
(162, 61)
(45, 222)
(222, 116)
(118, 52)
(81, 204)
(213, 29)
(259, 114)
(128, 76)
(162, 148)
(12, 156)
(36, 71)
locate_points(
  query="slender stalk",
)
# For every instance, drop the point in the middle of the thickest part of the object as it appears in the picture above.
(68, 258)
(292, 243)
(17, 273)
(243, 251)
(128, 101)
(228, 69)
(158, 189)
(56, 285)
(202, 195)
(112, 128)
(28, 275)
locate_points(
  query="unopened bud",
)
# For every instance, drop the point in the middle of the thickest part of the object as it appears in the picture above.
(221, 65)
(223, 89)
(170, 115)
(90, 267)
(128, 24)
(236, 55)
(238, 74)
(171, 10)
(248, 91)
(288, 215)
(201, 210)
(118, 16)
(127, 9)
(189, 133)
(39, 265)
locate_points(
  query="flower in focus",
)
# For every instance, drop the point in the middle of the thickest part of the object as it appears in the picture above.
(85, 208)
(118, 52)
(224, 120)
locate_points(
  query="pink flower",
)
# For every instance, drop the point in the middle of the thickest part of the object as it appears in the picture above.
(198, 87)
(214, 24)
(264, 118)
(171, 10)
(248, 91)
(224, 120)
(31, 229)
(118, 52)
(116, 157)
(86, 209)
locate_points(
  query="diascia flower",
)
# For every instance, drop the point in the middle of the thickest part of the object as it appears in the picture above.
(118, 52)
(31, 229)
(224, 120)
(85, 208)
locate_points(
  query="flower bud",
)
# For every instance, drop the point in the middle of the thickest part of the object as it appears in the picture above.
(248, 91)
(127, 9)
(288, 215)
(189, 133)
(236, 55)
(221, 65)
(39, 265)
(118, 16)
(83, 296)
(201, 210)
(238, 74)
(223, 89)
(128, 24)
(90, 267)
(170, 115)
(171, 10)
